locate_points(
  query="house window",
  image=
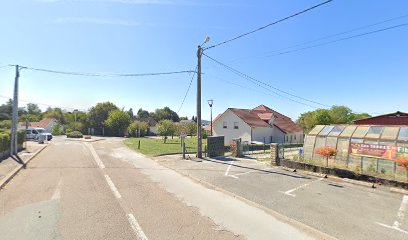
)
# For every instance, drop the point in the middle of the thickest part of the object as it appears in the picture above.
(291, 138)
(224, 124)
(295, 136)
(287, 138)
(271, 139)
(235, 125)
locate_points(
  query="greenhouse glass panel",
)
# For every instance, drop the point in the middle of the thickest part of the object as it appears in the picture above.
(374, 132)
(360, 132)
(348, 131)
(326, 130)
(337, 130)
(309, 146)
(390, 133)
(343, 145)
(331, 141)
(320, 142)
(316, 130)
(403, 134)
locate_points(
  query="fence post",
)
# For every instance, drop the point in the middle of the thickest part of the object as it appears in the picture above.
(274, 154)
(138, 145)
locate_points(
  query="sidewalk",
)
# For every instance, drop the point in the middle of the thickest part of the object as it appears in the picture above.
(10, 166)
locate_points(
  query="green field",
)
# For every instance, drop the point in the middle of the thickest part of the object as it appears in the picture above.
(156, 147)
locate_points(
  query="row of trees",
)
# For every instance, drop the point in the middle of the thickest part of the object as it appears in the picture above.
(334, 115)
(106, 116)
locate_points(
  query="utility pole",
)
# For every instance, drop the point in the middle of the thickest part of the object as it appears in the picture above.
(200, 51)
(199, 139)
(13, 136)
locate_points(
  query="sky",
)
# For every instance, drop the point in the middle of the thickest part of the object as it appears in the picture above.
(364, 68)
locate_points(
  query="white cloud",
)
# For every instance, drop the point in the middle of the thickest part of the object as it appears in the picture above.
(104, 21)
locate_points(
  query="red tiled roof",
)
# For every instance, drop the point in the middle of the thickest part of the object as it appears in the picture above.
(41, 124)
(397, 118)
(261, 115)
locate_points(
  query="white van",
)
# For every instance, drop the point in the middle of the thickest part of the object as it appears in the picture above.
(33, 133)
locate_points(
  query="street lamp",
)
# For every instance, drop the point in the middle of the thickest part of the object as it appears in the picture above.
(200, 51)
(210, 103)
(75, 111)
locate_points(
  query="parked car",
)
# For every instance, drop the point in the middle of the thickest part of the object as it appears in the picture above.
(34, 133)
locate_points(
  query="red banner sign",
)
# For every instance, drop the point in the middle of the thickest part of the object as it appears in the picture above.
(377, 151)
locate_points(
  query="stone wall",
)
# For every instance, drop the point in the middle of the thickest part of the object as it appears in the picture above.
(274, 154)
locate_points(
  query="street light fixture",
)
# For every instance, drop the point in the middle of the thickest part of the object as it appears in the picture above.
(200, 51)
(210, 103)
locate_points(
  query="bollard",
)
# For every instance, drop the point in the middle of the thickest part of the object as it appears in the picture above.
(184, 150)
(138, 145)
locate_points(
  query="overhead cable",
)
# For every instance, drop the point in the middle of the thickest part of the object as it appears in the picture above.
(270, 24)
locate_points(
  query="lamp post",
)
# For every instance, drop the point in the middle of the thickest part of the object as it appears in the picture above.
(210, 103)
(75, 111)
(200, 51)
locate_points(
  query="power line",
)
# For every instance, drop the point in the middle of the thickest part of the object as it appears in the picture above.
(42, 104)
(333, 35)
(257, 82)
(104, 74)
(339, 40)
(188, 89)
(270, 24)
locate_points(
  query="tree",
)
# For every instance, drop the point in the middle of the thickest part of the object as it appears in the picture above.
(56, 130)
(166, 128)
(341, 115)
(143, 114)
(183, 118)
(118, 121)
(6, 110)
(138, 129)
(334, 115)
(130, 112)
(99, 114)
(403, 163)
(33, 109)
(29, 118)
(5, 124)
(55, 113)
(165, 114)
(191, 129)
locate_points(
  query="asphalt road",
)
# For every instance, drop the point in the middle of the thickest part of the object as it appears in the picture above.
(103, 190)
(332, 206)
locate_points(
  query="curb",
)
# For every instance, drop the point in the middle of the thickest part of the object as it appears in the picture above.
(303, 227)
(14, 172)
(361, 183)
(399, 190)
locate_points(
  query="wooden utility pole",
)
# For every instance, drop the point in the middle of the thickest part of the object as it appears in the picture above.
(199, 139)
(13, 136)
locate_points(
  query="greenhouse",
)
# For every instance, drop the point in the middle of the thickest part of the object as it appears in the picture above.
(369, 149)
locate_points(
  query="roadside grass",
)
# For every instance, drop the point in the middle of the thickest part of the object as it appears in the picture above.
(155, 147)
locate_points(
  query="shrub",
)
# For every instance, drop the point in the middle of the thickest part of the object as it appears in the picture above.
(74, 134)
(327, 152)
(4, 142)
(5, 124)
(56, 130)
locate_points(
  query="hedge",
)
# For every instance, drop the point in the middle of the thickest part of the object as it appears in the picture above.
(74, 134)
(5, 139)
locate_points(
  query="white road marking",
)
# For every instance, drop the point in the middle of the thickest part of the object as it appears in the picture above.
(136, 227)
(259, 170)
(290, 192)
(400, 216)
(95, 155)
(228, 169)
(112, 187)
(57, 192)
(392, 227)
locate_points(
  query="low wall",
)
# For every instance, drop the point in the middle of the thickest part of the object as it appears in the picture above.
(343, 173)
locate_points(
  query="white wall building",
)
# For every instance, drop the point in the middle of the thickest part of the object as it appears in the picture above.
(260, 124)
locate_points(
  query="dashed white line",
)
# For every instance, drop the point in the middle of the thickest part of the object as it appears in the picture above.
(57, 192)
(95, 156)
(112, 187)
(290, 192)
(136, 227)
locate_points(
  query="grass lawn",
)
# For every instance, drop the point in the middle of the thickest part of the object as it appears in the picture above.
(155, 147)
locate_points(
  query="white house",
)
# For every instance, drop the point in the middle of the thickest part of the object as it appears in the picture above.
(47, 123)
(260, 124)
